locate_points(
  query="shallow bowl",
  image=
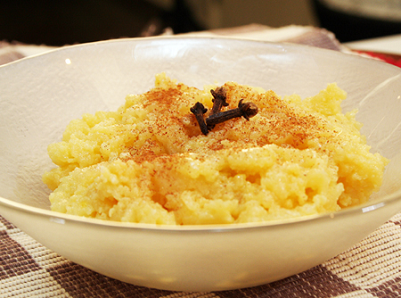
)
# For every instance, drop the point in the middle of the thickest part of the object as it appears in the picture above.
(40, 95)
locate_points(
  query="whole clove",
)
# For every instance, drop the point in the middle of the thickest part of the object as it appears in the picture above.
(245, 109)
(219, 99)
(198, 110)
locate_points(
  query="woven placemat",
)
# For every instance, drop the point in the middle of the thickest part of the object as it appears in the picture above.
(371, 268)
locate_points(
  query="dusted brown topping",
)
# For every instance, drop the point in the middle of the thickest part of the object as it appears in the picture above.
(174, 117)
(161, 97)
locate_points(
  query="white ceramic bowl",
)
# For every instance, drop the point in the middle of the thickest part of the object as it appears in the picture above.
(40, 95)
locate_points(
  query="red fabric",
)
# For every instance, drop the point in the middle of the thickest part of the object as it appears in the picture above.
(389, 58)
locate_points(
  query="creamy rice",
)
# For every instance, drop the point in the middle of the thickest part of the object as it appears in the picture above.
(148, 161)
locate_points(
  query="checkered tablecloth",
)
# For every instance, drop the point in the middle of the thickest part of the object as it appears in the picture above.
(372, 268)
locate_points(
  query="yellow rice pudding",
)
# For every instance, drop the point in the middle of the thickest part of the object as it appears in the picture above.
(148, 162)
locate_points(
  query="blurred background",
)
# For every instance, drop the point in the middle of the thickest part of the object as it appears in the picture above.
(62, 22)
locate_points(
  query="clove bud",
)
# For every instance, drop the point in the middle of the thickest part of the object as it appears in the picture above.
(245, 109)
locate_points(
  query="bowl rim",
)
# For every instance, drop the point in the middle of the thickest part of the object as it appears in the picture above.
(205, 38)
(58, 217)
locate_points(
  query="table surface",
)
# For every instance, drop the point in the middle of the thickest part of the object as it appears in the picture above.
(387, 44)
(372, 268)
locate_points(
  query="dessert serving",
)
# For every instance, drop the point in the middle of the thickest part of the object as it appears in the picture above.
(178, 155)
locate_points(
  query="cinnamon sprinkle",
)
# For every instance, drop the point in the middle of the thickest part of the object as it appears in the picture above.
(277, 123)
